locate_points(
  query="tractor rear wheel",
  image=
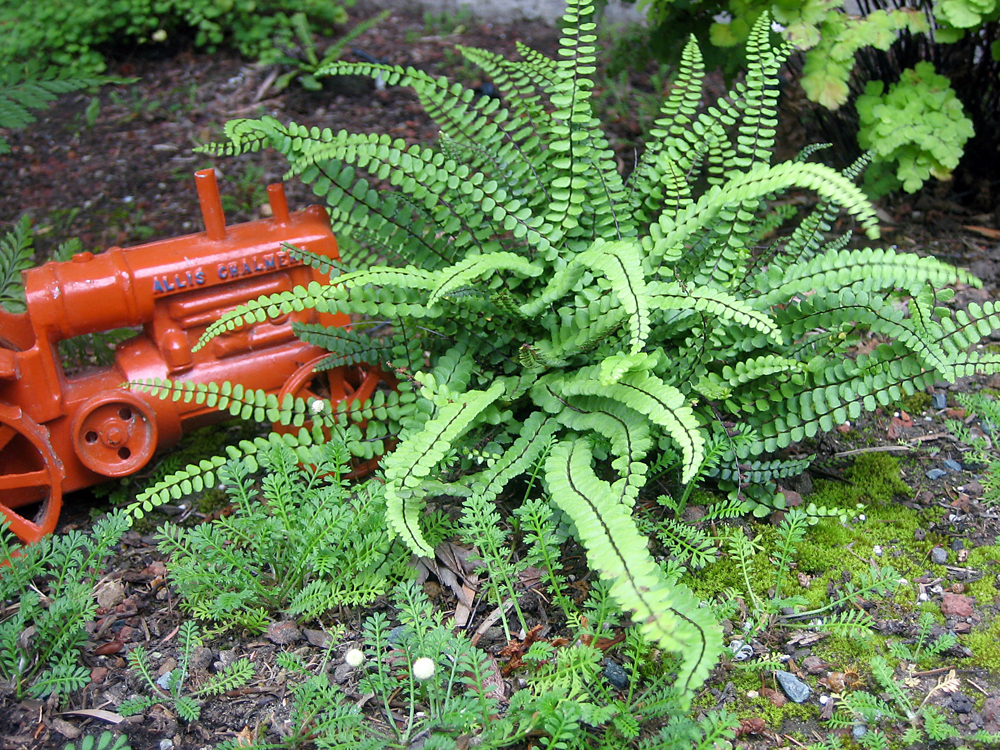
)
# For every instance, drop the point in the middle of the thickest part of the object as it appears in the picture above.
(30, 473)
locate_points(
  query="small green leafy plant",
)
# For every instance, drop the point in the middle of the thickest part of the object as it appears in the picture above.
(979, 439)
(293, 533)
(431, 686)
(917, 127)
(47, 596)
(921, 721)
(106, 741)
(894, 706)
(171, 686)
(305, 65)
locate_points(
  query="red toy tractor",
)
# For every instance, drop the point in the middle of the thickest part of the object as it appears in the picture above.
(60, 432)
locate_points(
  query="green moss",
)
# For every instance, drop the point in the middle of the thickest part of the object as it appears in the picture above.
(985, 646)
(726, 572)
(985, 589)
(917, 403)
(775, 716)
(839, 650)
(212, 500)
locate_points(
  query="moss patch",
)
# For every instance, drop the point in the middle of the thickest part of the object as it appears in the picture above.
(985, 645)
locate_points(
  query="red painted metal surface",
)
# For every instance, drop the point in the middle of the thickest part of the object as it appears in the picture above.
(61, 432)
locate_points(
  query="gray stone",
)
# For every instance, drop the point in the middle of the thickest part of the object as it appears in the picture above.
(814, 665)
(936, 474)
(919, 535)
(201, 658)
(952, 465)
(396, 635)
(957, 544)
(615, 674)
(796, 690)
(939, 556)
(939, 400)
(859, 730)
(163, 681)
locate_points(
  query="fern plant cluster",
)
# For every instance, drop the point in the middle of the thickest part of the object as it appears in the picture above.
(547, 312)
(46, 601)
(292, 534)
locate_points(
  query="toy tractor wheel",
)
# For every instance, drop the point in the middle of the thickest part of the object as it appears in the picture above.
(114, 433)
(30, 473)
(338, 385)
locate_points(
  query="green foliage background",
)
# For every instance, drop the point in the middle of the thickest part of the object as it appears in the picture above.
(74, 34)
(830, 36)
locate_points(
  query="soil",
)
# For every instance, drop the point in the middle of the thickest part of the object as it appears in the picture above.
(119, 172)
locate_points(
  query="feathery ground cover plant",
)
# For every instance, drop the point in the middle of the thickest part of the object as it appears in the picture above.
(170, 687)
(286, 546)
(47, 599)
(549, 312)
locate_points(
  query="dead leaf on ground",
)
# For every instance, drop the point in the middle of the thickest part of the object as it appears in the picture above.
(988, 232)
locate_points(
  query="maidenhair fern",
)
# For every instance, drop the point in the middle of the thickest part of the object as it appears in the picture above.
(546, 309)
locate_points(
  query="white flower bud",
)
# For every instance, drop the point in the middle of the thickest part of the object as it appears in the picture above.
(423, 668)
(354, 657)
(159, 35)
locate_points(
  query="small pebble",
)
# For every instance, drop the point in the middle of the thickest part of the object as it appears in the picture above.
(395, 636)
(877, 550)
(939, 556)
(858, 731)
(952, 465)
(614, 674)
(796, 690)
(752, 694)
(936, 474)
(957, 544)
(741, 651)
(939, 400)
(163, 681)
(166, 744)
(919, 535)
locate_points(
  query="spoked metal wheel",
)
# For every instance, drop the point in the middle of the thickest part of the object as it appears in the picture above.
(30, 473)
(339, 385)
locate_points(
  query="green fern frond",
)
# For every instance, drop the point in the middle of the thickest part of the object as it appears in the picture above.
(197, 477)
(18, 97)
(659, 402)
(15, 256)
(876, 268)
(668, 615)
(414, 459)
(669, 233)
(673, 296)
(621, 264)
